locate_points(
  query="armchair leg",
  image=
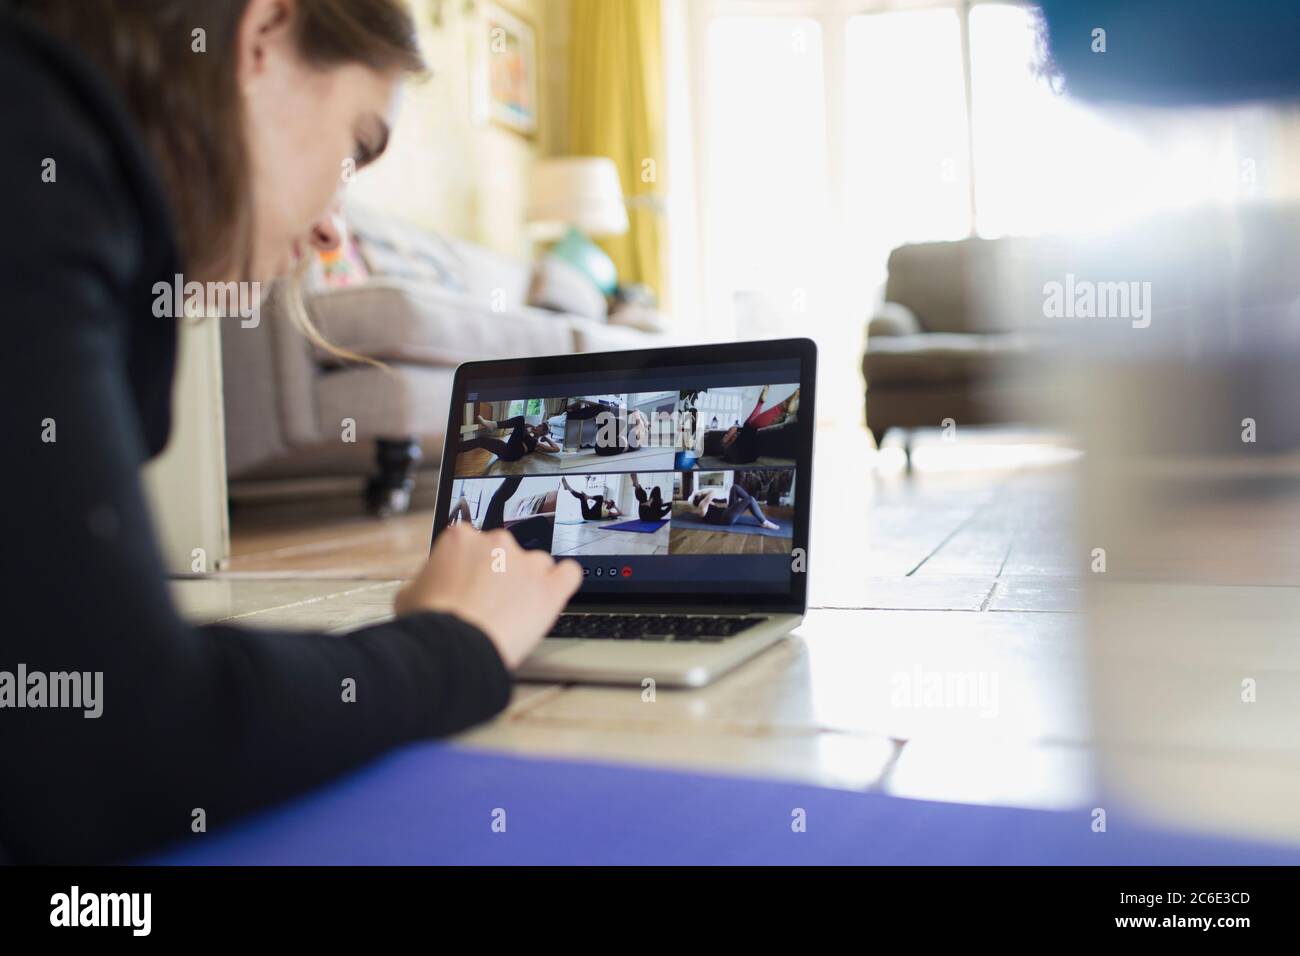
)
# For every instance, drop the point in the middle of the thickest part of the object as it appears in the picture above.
(388, 492)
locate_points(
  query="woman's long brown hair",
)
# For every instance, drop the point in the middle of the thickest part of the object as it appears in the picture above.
(188, 106)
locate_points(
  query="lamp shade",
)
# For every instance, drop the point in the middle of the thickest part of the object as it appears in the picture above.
(581, 192)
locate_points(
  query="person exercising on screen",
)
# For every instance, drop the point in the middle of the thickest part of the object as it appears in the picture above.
(618, 432)
(738, 502)
(740, 444)
(651, 507)
(524, 439)
(533, 533)
(594, 507)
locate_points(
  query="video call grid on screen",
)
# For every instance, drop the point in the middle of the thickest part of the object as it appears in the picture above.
(670, 504)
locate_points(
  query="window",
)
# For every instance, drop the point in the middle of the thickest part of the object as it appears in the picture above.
(530, 407)
(1045, 163)
(766, 182)
(1042, 162)
(834, 135)
(907, 172)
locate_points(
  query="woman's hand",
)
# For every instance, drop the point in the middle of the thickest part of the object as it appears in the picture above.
(511, 595)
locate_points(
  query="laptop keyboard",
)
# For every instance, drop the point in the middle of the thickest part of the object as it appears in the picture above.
(653, 627)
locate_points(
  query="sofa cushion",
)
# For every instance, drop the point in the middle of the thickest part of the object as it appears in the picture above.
(893, 318)
(940, 358)
(643, 318)
(539, 504)
(396, 320)
(964, 286)
(559, 287)
(343, 266)
(403, 251)
(496, 280)
(591, 336)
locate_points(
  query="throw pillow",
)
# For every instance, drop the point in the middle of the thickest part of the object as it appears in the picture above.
(559, 287)
(585, 256)
(343, 266)
(401, 251)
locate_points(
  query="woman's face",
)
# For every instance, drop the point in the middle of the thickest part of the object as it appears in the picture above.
(308, 131)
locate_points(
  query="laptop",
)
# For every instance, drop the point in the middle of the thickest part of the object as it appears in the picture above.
(680, 480)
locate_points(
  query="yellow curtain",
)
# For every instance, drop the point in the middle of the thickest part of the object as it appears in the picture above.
(616, 109)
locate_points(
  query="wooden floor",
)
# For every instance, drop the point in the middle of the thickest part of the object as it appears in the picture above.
(474, 463)
(974, 567)
(726, 540)
(959, 575)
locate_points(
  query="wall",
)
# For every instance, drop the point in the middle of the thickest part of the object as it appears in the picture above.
(1285, 150)
(186, 484)
(446, 169)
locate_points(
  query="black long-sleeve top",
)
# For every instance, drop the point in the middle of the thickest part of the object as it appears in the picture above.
(214, 718)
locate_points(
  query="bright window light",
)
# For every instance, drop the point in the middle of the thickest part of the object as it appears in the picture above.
(801, 206)
(907, 173)
(1045, 163)
(767, 171)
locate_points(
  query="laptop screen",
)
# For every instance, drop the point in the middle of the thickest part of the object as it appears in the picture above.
(672, 476)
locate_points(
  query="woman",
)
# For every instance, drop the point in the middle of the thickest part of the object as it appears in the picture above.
(533, 533)
(594, 507)
(524, 438)
(619, 434)
(130, 157)
(739, 501)
(650, 507)
(617, 431)
(740, 444)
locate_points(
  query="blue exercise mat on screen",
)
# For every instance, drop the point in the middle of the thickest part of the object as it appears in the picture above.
(434, 803)
(748, 524)
(640, 527)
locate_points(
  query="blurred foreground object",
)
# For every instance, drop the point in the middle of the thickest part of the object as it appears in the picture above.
(1183, 381)
(1191, 519)
(1175, 52)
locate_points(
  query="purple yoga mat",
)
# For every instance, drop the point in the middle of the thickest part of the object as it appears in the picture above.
(434, 803)
(746, 525)
(641, 527)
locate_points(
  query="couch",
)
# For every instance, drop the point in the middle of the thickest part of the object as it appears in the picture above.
(424, 305)
(773, 441)
(962, 332)
(948, 342)
(543, 505)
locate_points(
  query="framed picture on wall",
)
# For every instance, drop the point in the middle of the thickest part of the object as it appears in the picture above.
(511, 81)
